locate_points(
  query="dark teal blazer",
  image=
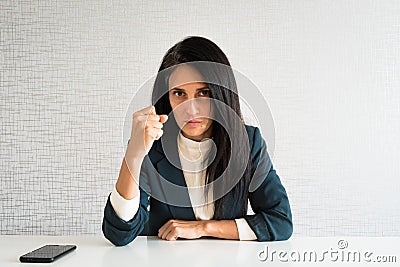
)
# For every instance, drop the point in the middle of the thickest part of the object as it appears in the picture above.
(272, 219)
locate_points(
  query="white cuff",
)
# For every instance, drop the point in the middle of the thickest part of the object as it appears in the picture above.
(245, 232)
(124, 208)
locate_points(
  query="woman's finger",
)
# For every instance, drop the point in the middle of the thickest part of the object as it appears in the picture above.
(147, 110)
(154, 124)
(159, 134)
(163, 118)
(152, 117)
(164, 228)
(172, 235)
(163, 233)
(154, 132)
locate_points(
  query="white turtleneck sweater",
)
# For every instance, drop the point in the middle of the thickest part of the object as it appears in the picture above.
(192, 155)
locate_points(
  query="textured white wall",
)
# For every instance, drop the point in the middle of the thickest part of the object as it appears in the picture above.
(328, 69)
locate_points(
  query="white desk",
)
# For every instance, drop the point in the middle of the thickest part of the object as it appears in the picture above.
(151, 251)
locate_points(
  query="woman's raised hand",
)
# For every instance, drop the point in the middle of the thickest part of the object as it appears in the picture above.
(146, 128)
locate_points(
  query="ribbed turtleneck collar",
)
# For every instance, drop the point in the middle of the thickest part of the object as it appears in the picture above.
(193, 152)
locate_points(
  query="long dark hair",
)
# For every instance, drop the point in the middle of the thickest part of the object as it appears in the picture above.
(200, 49)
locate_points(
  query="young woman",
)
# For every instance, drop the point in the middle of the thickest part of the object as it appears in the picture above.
(191, 164)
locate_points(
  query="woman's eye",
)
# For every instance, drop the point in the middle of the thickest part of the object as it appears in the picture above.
(204, 93)
(178, 93)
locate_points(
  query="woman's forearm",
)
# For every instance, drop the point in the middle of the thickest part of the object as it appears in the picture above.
(128, 183)
(226, 229)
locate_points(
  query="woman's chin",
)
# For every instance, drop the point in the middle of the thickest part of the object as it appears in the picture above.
(192, 132)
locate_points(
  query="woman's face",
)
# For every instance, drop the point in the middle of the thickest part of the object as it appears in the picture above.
(190, 101)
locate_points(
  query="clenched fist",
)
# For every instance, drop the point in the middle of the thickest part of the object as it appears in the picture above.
(146, 128)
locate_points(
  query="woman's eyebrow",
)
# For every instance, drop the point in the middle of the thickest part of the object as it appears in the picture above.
(181, 89)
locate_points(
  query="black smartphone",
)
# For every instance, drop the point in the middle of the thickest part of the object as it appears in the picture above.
(47, 253)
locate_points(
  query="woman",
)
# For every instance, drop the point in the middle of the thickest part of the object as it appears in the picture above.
(191, 164)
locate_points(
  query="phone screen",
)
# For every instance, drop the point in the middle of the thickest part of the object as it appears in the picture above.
(47, 253)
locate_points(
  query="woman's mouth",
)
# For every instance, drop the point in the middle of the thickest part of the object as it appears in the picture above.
(193, 122)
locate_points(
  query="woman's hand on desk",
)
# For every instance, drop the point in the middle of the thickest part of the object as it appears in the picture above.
(174, 229)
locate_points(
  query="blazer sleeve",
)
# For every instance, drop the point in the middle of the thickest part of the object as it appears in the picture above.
(119, 231)
(272, 219)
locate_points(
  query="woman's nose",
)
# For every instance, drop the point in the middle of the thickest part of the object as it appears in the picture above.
(191, 107)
